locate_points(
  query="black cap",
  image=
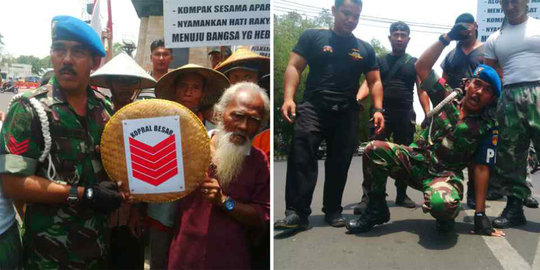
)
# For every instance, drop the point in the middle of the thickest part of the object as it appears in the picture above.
(465, 18)
(399, 26)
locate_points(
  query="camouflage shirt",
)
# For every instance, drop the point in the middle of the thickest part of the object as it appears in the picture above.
(453, 143)
(58, 236)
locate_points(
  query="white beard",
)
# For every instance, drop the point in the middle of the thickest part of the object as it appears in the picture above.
(228, 156)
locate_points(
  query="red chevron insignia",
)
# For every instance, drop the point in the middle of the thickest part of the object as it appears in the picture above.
(154, 164)
(15, 147)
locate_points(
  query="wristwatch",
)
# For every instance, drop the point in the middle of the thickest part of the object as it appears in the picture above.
(444, 41)
(89, 193)
(228, 204)
(73, 197)
(381, 110)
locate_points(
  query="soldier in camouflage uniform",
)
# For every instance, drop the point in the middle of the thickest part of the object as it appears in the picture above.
(457, 136)
(49, 156)
(515, 49)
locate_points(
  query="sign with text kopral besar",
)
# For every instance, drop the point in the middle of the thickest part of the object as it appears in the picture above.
(153, 148)
(490, 16)
(200, 23)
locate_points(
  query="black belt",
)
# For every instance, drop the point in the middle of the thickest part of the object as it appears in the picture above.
(521, 84)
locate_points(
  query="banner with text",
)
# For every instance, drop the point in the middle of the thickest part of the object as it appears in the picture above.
(261, 50)
(200, 23)
(490, 16)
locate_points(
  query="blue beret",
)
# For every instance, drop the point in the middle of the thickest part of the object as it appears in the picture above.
(70, 28)
(489, 75)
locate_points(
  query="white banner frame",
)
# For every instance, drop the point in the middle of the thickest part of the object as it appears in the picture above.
(490, 16)
(204, 23)
(151, 161)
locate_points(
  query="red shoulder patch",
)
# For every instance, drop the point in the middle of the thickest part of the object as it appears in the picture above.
(15, 147)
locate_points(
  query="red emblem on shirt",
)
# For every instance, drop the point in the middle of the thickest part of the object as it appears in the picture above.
(154, 164)
(355, 54)
(15, 147)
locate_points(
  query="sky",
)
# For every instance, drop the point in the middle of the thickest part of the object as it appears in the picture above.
(25, 24)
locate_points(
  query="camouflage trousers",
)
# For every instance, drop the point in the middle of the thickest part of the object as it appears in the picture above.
(443, 191)
(518, 116)
(10, 248)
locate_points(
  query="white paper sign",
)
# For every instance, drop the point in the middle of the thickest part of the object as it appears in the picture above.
(490, 16)
(261, 50)
(153, 148)
(199, 23)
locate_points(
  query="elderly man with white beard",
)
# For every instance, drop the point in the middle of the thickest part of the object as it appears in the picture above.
(215, 221)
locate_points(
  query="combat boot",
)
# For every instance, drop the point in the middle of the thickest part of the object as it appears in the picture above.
(530, 202)
(376, 213)
(361, 206)
(512, 214)
(401, 196)
(445, 225)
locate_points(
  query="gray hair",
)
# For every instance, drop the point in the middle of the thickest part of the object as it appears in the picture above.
(230, 92)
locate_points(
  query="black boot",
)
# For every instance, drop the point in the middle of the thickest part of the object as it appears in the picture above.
(493, 195)
(401, 195)
(445, 225)
(361, 206)
(512, 214)
(376, 213)
(530, 202)
(292, 221)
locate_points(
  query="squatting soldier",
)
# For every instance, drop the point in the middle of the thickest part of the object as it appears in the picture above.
(50, 157)
(457, 136)
(398, 77)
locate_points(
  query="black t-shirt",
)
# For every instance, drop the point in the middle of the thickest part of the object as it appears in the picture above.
(398, 90)
(457, 65)
(335, 63)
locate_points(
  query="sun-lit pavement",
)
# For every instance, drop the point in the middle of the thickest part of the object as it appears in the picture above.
(408, 241)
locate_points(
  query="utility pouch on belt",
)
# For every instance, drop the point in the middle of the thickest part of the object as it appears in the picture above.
(333, 101)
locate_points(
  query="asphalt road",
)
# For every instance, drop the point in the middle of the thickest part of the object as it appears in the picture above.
(408, 241)
(5, 98)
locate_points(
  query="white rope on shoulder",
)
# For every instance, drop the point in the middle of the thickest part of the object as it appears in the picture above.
(42, 116)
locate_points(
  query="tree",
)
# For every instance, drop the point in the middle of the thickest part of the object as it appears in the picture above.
(126, 46)
(117, 48)
(367, 103)
(287, 30)
(38, 65)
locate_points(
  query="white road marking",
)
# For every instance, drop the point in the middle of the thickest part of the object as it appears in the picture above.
(536, 262)
(505, 253)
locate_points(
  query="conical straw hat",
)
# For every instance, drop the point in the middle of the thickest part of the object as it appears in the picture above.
(245, 58)
(121, 66)
(216, 83)
(195, 145)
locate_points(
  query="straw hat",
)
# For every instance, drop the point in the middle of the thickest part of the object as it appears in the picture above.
(121, 68)
(195, 145)
(216, 83)
(246, 59)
